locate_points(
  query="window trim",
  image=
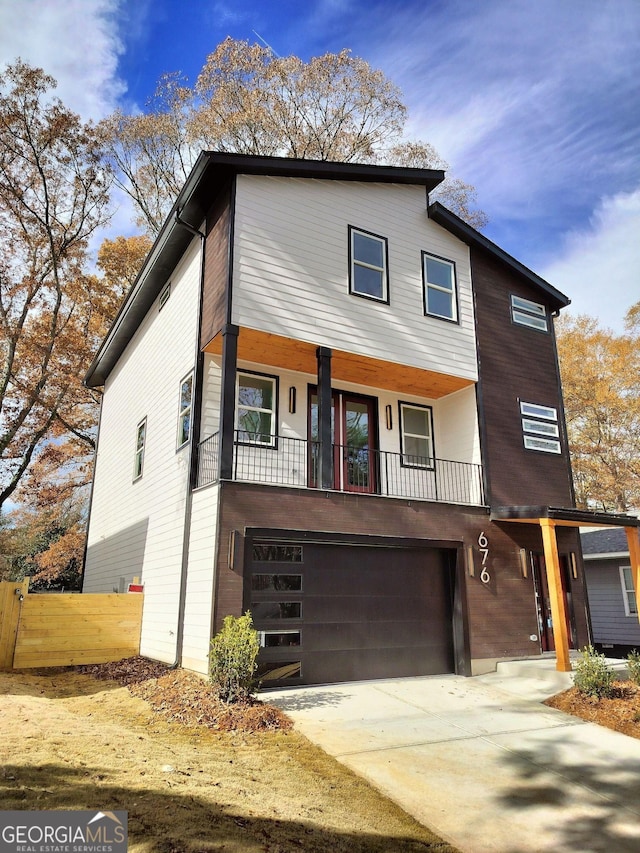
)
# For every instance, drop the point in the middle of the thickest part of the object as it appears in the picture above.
(138, 458)
(540, 428)
(545, 413)
(273, 444)
(628, 594)
(547, 429)
(543, 445)
(188, 410)
(384, 299)
(432, 458)
(426, 285)
(525, 312)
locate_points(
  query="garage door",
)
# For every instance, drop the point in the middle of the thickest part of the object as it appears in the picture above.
(336, 612)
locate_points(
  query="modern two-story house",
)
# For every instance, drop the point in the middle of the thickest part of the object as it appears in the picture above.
(336, 405)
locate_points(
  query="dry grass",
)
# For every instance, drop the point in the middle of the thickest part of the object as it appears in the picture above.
(71, 741)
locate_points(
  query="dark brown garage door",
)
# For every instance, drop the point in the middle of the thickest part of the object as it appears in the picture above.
(336, 612)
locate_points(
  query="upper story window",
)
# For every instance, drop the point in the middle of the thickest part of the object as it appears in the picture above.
(440, 289)
(164, 297)
(628, 592)
(540, 427)
(527, 313)
(256, 408)
(369, 268)
(416, 435)
(141, 437)
(184, 415)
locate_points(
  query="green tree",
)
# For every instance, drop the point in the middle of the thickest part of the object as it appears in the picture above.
(246, 100)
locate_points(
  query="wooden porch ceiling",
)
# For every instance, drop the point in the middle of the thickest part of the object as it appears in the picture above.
(299, 356)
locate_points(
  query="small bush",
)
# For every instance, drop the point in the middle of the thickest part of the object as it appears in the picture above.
(633, 665)
(232, 662)
(592, 675)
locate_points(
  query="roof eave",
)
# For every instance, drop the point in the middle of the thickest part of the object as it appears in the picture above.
(459, 228)
(214, 168)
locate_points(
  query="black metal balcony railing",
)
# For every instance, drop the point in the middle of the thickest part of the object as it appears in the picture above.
(294, 462)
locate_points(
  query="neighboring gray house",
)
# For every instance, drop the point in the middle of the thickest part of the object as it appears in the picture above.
(612, 602)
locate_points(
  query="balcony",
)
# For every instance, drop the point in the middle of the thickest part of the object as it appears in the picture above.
(284, 461)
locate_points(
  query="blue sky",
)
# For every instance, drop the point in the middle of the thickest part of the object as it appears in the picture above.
(536, 102)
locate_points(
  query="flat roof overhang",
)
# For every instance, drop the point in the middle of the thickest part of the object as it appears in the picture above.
(548, 518)
(563, 517)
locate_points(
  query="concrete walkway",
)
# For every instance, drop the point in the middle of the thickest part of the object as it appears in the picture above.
(480, 760)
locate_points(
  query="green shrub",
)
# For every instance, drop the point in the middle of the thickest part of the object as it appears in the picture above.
(232, 662)
(633, 665)
(592, 675)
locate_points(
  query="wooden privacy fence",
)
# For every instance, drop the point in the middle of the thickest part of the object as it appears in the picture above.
(65, 629)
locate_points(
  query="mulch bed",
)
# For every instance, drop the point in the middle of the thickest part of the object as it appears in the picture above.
(186, 698)
(620, 712)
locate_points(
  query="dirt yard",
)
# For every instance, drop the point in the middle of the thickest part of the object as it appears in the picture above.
(70, 740)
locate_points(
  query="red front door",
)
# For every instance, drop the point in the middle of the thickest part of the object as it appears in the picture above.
(353, 440)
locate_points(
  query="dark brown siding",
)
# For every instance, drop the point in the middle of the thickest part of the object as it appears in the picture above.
(216, 268)
(501, 613)
(515, 363)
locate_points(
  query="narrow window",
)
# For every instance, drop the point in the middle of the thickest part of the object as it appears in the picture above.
(540, 428)
(439, 282)
(184, 415)
(527, 313)
(628, 592)
(368, 275)
(256, 409)
(141, 435)
(164, 297)
(416, 436)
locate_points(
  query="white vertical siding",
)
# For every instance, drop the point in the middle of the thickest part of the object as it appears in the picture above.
(200, 580)
(137, 528)
(291, 273)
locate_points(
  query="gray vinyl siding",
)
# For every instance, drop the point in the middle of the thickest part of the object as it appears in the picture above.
(608, 619)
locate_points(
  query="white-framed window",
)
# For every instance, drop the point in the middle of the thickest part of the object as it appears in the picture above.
(256, 408)
(184, 412)
(141, 437)
(439, 285)
(628, 592)
(527, 313)
(540, 427)
(368, 266)
(416, 435)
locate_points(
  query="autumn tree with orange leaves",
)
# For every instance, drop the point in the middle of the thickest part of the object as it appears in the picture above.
(249, 101)
(53, 196)
(601, 382)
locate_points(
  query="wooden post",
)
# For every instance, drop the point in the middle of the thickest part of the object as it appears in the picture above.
(633, 539)
(11, 597)
(556, 594)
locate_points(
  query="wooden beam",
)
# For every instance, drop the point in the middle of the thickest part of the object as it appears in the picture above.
(633, 539)
(556, 594)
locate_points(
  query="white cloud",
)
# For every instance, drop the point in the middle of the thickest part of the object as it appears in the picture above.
(75, 41)
(598, 266)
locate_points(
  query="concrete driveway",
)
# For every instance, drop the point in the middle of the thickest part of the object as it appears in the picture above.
(480, 760)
